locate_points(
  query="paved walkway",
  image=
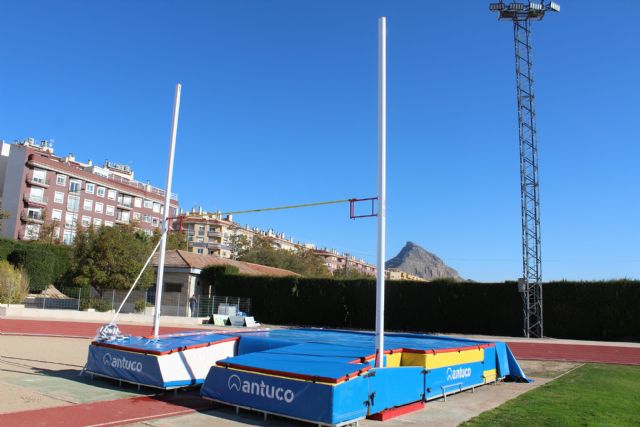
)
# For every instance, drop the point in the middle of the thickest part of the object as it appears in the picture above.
(134, 409)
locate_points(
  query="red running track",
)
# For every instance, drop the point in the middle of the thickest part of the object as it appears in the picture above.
(73, 329)
(108, 413)
(576, 352)
(522, 350)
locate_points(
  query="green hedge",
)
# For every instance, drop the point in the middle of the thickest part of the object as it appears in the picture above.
(44, 263)
(579, 310)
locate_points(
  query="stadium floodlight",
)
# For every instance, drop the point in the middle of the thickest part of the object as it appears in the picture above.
(496, 7)
(536, 6)
(554, 6)
(516, 6)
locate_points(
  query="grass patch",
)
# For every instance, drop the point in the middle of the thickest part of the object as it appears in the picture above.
(592, 395)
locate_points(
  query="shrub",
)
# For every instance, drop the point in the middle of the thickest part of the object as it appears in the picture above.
(580, 310)
(95, 303)
(14, 284)
(44, 264)
(140, 305)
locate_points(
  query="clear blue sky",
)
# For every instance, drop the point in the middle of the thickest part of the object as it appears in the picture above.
(279, 107)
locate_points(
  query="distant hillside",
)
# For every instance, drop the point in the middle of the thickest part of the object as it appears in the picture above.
(414, 259)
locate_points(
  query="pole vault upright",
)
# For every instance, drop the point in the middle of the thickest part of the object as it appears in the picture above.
(382, 186)
(165, 215)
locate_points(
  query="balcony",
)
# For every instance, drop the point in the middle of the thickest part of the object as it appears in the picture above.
(122, 205)
(121, 221)
(40, 182)
(32, 199)
(212, 245)
(33, 217)
(214, 234)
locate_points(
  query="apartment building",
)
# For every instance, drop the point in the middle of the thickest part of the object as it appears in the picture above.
(39, 188)
(334, 260)
(213, 234)
(395, 274)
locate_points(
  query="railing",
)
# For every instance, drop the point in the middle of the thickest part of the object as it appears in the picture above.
(32, 198)
(140, 301)
(32, 217)
(217, 245)
(37, 181)
(214, 234)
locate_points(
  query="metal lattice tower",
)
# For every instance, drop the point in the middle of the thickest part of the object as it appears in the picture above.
(530, 285)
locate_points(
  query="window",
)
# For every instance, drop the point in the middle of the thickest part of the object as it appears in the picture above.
(136, 216)
(56, 215)
(156, 207)
(34, 213)
(111, 194)
(100, 191)
(124, 201)
(37, 195)
(99, 207)
(111, 210)
(90, 188)
(31, 231)
(73, 203)
(147, 219)
(148, 204)
(40, 176)
(200, 251)
(68, 237)
(75, 186)
(61, 180)
(137, 202)
(58, 197)
(123, 216)
(70, 220)
(97, 222)
(108, 223)
(86, 221)
(88, 205)
(154, 221)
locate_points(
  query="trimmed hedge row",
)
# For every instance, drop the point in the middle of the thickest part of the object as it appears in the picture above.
(44, 263)
(579, 310)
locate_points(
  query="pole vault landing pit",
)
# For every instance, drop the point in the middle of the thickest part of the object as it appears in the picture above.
(329, 377)
(325, 377)
(168, 362)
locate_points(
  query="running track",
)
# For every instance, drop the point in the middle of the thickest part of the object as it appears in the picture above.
(522, 350)
(136, 409)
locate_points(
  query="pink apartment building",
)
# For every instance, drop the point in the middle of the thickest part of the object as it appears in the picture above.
(37, 187)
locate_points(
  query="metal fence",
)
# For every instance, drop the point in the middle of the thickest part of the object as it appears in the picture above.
(230, 306)
(140, 301)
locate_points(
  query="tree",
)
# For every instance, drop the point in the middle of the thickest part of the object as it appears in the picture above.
(110, 258)
(48, 232)
(14, 284)
(351, 273)
(303, 261)
(175, 240)
(239, 244)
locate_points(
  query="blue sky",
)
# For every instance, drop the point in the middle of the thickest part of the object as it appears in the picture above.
(279, 107)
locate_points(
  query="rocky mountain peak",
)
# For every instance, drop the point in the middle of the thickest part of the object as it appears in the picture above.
(416, 260)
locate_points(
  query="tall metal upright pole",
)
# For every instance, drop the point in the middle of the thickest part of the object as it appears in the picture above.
(382, 186)
(531, 282)
(165, 215)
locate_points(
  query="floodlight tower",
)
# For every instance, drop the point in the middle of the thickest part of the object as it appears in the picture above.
(531, 283)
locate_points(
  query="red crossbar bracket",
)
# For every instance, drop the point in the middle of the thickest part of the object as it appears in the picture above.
(390, 413)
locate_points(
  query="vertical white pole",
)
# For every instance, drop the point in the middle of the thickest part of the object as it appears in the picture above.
(165, 216)
(382, 186)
